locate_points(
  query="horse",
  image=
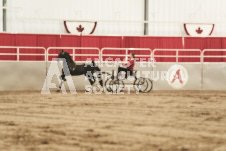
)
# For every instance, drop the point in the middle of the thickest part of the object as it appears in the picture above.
(75, 70)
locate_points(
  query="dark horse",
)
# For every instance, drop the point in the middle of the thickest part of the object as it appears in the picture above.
(75, 70)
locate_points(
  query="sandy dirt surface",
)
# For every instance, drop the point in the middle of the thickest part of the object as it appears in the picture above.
(157, 121)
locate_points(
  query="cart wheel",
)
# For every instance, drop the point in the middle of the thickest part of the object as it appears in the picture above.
(114, 85)
(141, 85)
(107, 85)
(150, 86)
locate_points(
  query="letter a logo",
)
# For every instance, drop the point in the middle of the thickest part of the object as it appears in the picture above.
(177, 76)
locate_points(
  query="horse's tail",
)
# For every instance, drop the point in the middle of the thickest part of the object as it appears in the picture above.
(95, 66)
(98, 73)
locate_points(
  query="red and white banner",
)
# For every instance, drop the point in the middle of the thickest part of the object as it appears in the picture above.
(80, 27)
(198, 30)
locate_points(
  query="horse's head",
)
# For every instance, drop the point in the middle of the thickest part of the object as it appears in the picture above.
(64, 55)
(61, 54)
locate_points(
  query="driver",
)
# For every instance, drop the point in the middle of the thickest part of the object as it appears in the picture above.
(129, 66)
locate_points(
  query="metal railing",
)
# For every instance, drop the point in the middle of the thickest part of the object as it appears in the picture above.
(18, 53)
(126, 52)
(73, 51)
(177, 56)
(101, 53)
(204, 55)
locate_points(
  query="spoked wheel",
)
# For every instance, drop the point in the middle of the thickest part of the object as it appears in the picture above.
(107, 85)
(114, 85)
(150, 85)
(106, 76)
(141, 85)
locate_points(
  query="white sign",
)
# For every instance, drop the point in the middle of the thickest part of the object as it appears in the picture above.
(177, 76)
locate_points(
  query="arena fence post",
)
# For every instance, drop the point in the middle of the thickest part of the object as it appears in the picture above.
(18, 54)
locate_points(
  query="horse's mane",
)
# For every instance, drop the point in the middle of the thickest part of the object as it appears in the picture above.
(70, 62)
(68, 56)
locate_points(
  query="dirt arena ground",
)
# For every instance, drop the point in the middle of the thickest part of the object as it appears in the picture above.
(157, 121)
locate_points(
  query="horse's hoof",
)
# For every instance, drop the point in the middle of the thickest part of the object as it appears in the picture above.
(88, 91)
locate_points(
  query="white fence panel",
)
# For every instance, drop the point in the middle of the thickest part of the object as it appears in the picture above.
(22, 75)
(214, 73)
(214, 76)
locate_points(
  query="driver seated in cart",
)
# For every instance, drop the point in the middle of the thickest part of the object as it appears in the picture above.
(129, 66)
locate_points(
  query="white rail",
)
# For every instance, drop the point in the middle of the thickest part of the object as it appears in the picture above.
(126, 52)
(4, 7)
(73, 51)
(123, 21)
(212, 56)
(18, 54)
(177, 56)
(100, 53)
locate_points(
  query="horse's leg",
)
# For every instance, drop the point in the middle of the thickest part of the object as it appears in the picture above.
(61, 83)
(63, 76)
(99, 76)
(91, 78)
(94, 78)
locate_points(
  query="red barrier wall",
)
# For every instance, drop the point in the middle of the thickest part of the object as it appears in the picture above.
(41, 40)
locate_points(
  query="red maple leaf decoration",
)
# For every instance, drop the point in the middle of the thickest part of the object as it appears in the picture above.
(80, 28)
(199, 30)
